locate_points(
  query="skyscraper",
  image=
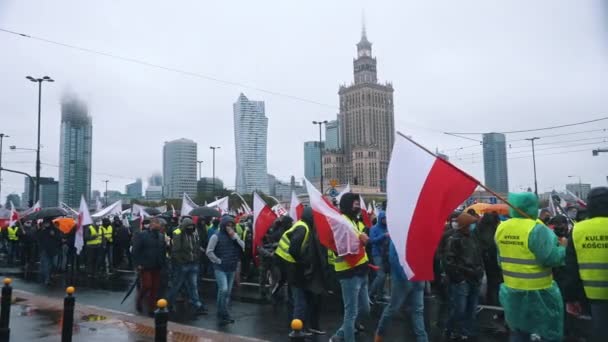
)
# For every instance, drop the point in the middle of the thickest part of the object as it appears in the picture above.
(312, 160)
(495, 162)
(156, 179)
(367, 125)
(250, 139)
(179, 168)
(134, 190)
(49, 192)
(75, 151)
(332, 135)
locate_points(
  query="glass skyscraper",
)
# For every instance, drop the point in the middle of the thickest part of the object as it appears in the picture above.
(312, 160)
(250, 140)
(179, 168)
(332, 135)
(495, 162)
(75, 151)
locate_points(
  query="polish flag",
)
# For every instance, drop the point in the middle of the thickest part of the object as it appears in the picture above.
(84, 218)
(36, 207)
(263, 218)
(344, 191)
(334, 231)
(296, 207)
(579, 201)
(365, 213)
(14, 216)
(221, 205)
(422, 191)
(187, 205)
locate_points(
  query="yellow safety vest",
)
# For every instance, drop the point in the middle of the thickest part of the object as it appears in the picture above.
(12, 233)
(284, 243)
(95, 236)
(590, 239)
(520, 269)
(339, 263)
(107, 232)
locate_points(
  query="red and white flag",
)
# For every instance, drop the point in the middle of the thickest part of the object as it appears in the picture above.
(365, 213)
(279, 210)
(221, 205)
(334, 231)
(14, 216)
(36, 207)
(296, 207)
(344, 191)
(187, 205)
(263, 218)
(578, 200)
(84, 218)
(422, 191)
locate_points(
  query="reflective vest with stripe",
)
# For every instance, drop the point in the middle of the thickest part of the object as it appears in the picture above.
(107, 232)
(520, 269)
(339, 263)
(12, 233)
(284, 243)
(590, 240)
(95, 236)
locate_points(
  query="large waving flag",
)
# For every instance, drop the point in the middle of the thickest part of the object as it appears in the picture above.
(263, 217)
(114, 209)
(365, 213)
(187, 205)
(422, 191)
(578, 200)
(296, 207)
(84, 219)
(36, 207)
(14, 216)
(334, 231)
(221, 205)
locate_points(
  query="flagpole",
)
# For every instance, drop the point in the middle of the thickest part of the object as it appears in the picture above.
(519, 211)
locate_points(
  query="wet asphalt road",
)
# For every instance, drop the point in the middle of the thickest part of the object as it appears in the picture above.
(253, 318)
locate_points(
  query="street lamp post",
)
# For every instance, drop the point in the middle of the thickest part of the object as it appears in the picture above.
(213, 148)
(320, 123)
(106, 194)
(2, 136)
(39, 81)
(534, 164)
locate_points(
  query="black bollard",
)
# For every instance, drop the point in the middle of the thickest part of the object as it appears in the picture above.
(5, 310)
(296, 334)
(68, 315)
(161, 316)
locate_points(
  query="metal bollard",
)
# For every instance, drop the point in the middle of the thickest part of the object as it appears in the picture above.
(68, 314)
(5, 310)
(161, 316)
(296, 334)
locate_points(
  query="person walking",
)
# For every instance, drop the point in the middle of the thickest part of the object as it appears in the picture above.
(527, 251)
(464, 269)
(379, 240)
(149, 256)
(108, 232)
(93, 237)
(185, 256)
(49, 244)
(14, 234)
(353, 279)
(224, 251)
(403, 291)
(587, 264)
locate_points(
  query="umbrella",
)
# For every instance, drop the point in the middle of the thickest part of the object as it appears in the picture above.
(133, 286)
(205, 212)
(152, 211)
(500, 209)
(478, 207)
(65, 224)
(48, 213)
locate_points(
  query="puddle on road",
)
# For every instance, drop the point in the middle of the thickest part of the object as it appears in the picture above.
(93, 318)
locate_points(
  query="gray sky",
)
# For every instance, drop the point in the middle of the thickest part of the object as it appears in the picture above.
(455, 66)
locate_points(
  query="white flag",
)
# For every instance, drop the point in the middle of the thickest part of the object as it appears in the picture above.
(14, 215)
(221, 204)
(84, 219)
(344, 191)
(187, 205)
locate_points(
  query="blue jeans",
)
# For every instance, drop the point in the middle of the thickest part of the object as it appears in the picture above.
(413, 292)
(464, 297)
(377, 286)
(224, 281)
(300, 299)
(356, 304)
(47, 263)
(185, 274)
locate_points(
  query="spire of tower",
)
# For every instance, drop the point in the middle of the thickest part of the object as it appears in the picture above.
(363, 30)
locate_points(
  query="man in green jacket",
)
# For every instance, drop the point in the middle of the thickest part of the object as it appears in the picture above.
(185, 256)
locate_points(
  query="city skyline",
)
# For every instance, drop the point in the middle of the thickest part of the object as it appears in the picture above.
(454, 78)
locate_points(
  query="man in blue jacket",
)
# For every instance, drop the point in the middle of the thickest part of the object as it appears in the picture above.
(379, 239)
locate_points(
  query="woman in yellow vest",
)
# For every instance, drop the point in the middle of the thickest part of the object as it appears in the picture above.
(527, 250)
(587, 263)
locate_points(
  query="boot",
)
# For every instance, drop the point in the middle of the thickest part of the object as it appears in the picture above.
(377, 338)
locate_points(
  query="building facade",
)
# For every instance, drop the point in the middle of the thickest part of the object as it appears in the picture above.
(366, 125)
(134, 190)
(332, 135)
(154, 193)
(75, 151)
(205, 185)
(49, 192)
(250, 139)
(179, 168)
(495, 168)
(581, 190)
(156, 179)
(312, 160)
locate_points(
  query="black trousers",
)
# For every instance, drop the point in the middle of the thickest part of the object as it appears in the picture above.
(95, 256)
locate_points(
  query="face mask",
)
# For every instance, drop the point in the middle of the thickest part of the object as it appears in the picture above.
(454, 225)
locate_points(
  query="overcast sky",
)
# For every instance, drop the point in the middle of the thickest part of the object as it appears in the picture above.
(466, 66)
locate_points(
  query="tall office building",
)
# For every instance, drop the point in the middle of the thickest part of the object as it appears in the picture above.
(495, 162)
(156, 179)
(135, 189)
(312, 160)
(332, 135)
(179, 168)
(250, 139)
(75, 151)
(367, 125)
(49, 192)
